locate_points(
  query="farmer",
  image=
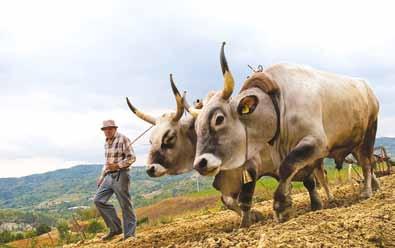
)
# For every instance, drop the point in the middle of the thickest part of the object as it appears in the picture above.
(115, 178)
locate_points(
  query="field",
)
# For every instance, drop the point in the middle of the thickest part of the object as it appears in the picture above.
(208, 224)
(346, 222)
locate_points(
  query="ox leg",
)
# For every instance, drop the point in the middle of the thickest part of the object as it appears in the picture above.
(375, 182)
(248, 217)
(367, 170)
(364, 155)
(367, 174)
(322, 178)
(315, 199)
(306, 152)
(231, 204)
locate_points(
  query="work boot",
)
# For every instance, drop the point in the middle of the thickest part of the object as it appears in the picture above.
(111, 235)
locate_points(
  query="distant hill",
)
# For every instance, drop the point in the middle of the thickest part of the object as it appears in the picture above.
(59, 190)
(388, 143)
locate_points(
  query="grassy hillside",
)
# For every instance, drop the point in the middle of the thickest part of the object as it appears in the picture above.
(59, 190)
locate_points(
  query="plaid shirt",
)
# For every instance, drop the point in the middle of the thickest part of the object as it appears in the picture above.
(118, 150)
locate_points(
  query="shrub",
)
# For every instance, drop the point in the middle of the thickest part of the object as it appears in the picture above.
(87, 214)
(19, 236)
(165, 220)
(94, 226)
(142, 220)
(42, 228)
(64, 231)
(8, 236)
(30, 234)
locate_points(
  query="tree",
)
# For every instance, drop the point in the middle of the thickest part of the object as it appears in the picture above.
(5, 237)
(19, 236)
(42, 228)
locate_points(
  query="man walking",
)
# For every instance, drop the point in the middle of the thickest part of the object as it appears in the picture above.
(115, 178)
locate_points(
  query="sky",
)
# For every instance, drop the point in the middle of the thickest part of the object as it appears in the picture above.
(67, 65)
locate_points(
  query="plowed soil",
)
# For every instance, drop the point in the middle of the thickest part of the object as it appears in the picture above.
(346, 222)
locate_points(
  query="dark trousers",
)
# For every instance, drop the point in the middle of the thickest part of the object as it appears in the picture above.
(118, 184)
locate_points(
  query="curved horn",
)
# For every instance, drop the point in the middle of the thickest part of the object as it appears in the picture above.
(191, 110)
(180, 106)
(229, 83)
(140, 114)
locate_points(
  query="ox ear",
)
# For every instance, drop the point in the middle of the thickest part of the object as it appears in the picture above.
(247, 105)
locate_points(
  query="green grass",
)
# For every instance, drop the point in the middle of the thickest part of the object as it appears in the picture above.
(205, 192)
(270, 184)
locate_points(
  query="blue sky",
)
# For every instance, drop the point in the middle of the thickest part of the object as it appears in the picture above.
(67, 65)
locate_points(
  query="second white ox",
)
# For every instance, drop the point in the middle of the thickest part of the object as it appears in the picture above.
(302, 113)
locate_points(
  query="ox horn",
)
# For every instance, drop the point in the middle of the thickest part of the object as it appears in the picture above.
(141, 115)
(229, 83)
(179, 100)
(191, 110)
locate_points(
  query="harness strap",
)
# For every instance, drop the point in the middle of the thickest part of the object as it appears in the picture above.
(246, 177)
(246, 132)
(277, 109)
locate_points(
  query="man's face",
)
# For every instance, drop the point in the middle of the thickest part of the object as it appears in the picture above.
(109, 132)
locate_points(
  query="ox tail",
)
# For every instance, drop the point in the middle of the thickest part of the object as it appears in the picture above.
(369, 140)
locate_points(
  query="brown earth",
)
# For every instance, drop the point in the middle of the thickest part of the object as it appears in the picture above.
(176, 206)
(347, 222)
(45, 240)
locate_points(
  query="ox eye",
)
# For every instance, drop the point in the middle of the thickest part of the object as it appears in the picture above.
(219, 120)
(168, 142)
(171, 140)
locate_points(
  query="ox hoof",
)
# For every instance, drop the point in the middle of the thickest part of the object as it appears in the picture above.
(375, 184)
(250, 217)
(282, 207)
(316, 206)
(366, 194)
(246, 220)
(375, 188)
(245, 224)
(316, 203)
(331, 198)
(256, 216)
(283, 216)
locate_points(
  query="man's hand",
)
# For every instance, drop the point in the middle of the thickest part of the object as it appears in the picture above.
(99, 181)
(111, 167)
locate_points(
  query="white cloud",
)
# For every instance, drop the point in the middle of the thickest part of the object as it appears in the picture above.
(67, 65)
(39, 138)
(385, 128)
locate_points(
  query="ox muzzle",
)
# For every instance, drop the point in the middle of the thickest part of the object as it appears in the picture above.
(156, 170)
(207, 164)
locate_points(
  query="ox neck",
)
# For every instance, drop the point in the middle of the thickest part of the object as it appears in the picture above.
(276, 134)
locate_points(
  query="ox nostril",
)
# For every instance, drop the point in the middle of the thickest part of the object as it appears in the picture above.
(151, 169)
(203, 163)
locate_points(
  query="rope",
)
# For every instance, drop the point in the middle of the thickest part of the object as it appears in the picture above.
(138, 137)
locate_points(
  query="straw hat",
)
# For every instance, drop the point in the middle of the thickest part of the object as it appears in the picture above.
(108, 123)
